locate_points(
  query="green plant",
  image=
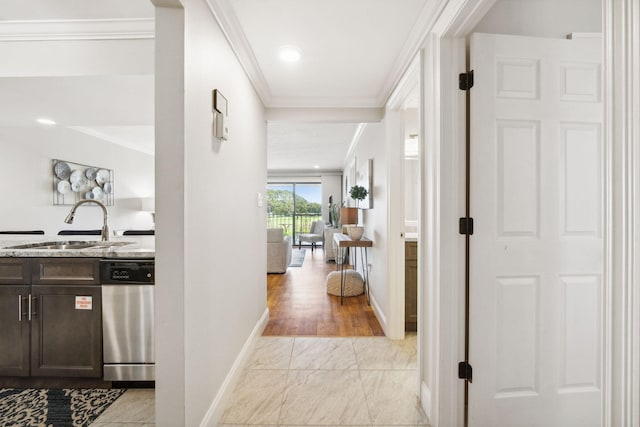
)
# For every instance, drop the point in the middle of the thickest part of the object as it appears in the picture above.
(358, 193)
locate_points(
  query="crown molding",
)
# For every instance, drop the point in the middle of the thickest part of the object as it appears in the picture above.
(230, 25)
(323, 102)
(427, 17)
(330, 115)
(78, 29)
(409, 80)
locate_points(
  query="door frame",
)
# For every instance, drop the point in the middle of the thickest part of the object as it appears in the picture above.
(440, 306)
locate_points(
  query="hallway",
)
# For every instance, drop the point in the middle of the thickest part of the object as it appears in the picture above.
(300, 306)
(295, 381)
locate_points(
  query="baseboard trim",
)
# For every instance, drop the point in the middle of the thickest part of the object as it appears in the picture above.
(214, 413)
(379, 313)
(425, 398)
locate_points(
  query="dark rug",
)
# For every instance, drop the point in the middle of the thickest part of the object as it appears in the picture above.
(297, 257)
(54, 407)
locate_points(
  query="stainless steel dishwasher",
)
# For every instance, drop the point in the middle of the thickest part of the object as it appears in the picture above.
(128, 323)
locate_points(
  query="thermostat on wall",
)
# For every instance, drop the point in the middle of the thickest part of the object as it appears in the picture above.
(220, 112)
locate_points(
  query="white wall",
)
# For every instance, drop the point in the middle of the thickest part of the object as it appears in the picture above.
(542, 18)
(26, 180)
(218, 295)
(371, 145)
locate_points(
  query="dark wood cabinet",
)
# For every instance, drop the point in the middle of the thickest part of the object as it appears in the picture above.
(51, 313)
(66, 331)
(14, 330)
(411, 286)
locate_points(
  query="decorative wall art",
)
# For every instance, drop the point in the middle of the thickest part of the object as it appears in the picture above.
(73, 182)
(364, 178)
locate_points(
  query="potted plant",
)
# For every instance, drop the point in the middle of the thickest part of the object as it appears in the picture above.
(357, 193)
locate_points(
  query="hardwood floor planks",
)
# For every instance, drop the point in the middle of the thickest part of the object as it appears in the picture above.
(300, 306)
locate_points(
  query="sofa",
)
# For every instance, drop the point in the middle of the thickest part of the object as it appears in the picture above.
(278, 251)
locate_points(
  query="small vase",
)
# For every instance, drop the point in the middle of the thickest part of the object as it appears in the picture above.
(356, 232)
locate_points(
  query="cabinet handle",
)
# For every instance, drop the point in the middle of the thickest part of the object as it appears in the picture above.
(29, 318)
(35, 307)
(19, 308)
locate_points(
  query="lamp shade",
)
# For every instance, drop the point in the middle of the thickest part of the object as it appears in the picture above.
(349, 215)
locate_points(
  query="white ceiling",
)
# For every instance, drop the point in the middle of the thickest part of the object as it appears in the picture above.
(354, 52)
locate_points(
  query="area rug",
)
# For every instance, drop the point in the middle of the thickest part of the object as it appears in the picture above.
(54, 407)
(297, 257)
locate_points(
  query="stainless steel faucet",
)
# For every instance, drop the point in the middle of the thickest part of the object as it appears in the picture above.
(105, 227)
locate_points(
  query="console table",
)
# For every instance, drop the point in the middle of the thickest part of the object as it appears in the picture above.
(343, 243)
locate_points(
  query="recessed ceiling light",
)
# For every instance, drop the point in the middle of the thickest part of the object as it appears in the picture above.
(45, 121)
(290, 54)
(316, 166)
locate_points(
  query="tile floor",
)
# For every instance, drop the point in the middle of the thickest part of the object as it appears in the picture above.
(318, 381)
(308, 381)
(135, 408)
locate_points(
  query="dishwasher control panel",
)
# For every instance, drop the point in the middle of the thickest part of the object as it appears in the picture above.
(127, 271)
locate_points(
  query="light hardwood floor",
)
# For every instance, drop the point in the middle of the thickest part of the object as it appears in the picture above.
(300, 306)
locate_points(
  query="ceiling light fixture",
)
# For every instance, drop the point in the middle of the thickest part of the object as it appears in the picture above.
(290, 54)
(45, 121)
(316, 166)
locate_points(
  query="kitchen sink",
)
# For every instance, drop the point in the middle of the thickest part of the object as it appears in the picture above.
(65, 245)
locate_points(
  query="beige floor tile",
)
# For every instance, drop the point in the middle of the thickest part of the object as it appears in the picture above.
(391, 396)
(383, 353)
(123, 425)
(257, 398)
(271, 353)
(323, 353)
(134, 406)
(324, 398)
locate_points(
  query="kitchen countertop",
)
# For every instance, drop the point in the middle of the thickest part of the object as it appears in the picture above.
(128, 247)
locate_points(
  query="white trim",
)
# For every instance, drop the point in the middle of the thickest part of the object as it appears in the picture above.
(230, 26)
(331, 115)
(424, 22)
(215, 411)
(622, 130)
(354, 141)
(406, 85)
(78, 29)
(377, 310)
(324, 102)
(394, 140)
(425, 399)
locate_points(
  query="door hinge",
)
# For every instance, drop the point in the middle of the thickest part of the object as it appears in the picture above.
(465, 371)
(466, 226)
(465, 80)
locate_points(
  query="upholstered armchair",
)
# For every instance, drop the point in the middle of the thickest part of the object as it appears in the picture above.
(315, 235)
(278, 251)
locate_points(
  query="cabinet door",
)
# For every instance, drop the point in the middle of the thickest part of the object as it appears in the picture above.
(14, 330)
(66, 335)
(411, 287)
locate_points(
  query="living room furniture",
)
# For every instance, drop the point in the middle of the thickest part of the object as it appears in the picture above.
(353, 283)
(79, 232)
(327, 243)
(22, 232)
(344, 243)
(278, 251)
(139, 233)
(315, 234)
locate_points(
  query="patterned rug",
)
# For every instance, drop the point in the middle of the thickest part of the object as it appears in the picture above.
(54, 407)
(297, 257)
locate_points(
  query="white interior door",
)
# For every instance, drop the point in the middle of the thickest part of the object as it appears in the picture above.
(537, 249)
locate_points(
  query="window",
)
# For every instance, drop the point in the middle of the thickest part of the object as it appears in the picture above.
(293, 206)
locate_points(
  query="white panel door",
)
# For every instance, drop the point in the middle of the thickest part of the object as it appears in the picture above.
(537, 249)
